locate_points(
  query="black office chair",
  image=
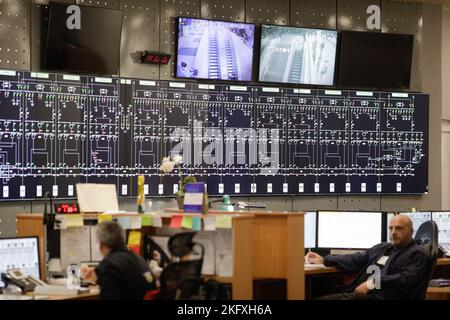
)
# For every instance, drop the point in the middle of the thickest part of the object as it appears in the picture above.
(174, 274)
(180, 245)
(427, 238)
(202, 289)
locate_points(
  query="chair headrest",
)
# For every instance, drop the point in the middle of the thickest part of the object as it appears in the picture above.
(181, 244)
(427, 238)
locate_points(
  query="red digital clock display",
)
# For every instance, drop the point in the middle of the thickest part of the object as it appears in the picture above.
(155, 58)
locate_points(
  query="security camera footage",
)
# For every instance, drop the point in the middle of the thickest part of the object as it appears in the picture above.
(215, 49)
(297, 55)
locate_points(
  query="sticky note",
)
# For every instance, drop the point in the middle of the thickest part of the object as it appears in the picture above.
(197, 223)
(134, 238)
(210, 223)
(75, 220)
(146, 220)
(135, 222)
(176, 221)
(104, 217)
(187, 222)
(124, 222)
(223, 221)
(157, 221)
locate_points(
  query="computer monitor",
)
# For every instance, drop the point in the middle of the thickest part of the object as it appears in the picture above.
(297, 55)
(22, 253)
(442, 219)
(349, 229)
(310, 229)
(418, 218)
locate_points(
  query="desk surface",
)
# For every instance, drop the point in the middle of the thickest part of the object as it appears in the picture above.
(94, 294)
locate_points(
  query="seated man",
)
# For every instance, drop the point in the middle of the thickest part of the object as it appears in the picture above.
(402, 266)
(121, 274)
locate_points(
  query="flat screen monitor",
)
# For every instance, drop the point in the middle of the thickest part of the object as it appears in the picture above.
(417, 219)
(375, 60)
(310, 229)
(215, 50)
(297, 55)
(349, 230)
(21, 253)
(442, 220)
(92, 49)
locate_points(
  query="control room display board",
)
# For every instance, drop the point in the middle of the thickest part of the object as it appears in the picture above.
(57, 130)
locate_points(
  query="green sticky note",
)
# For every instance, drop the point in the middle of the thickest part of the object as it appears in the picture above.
(187, 222)
(223, 221)
(197, 223)
(146, 220)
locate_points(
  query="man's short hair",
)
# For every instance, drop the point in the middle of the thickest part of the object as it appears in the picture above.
(110, 234)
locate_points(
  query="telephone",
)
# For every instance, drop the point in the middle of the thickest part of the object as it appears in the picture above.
(19, 278)
(445, 248)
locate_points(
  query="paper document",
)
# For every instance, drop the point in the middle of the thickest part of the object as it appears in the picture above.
(94, 197)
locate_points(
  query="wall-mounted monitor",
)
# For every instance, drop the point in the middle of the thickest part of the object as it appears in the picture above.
(297, 55)
(375, 60)
(349, 230)
(92, 49)
(216, 50)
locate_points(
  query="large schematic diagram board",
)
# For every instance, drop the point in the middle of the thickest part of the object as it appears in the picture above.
(57, 130)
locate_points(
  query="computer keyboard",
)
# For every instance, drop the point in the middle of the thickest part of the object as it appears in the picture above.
(314, 265)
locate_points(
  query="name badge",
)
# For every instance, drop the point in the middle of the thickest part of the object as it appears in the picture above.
(382, 261)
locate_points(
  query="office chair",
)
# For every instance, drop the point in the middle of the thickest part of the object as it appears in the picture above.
(173, 275)
(427, 238)
(201, 289)
(180, 245)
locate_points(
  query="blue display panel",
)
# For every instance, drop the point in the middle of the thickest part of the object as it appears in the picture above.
(57, 130)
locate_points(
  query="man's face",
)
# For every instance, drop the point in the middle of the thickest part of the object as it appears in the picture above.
(400, 230)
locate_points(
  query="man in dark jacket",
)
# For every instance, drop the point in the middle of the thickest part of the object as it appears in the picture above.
(121, 274)
(402, 265)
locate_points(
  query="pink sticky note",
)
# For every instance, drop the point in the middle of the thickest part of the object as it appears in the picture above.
(176, 221)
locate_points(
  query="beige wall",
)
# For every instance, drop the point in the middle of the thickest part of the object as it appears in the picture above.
(432, 84)
(445, 109)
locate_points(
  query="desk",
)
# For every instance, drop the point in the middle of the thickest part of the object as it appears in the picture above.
(438, 293)
(313, 276)
(94, 294)
(265, 245)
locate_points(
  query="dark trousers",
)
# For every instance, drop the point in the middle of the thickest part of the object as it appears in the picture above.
(345, 296)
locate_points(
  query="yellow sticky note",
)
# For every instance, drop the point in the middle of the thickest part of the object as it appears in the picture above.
(223, 221)
(146, 220)
(187, 222)
(75, 220)
(134, 238)
(104, 217)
